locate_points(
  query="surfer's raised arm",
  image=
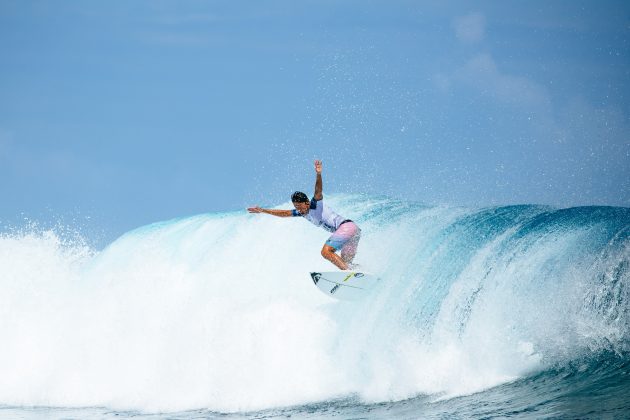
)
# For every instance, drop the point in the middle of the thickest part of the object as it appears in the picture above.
(273, 212)
(318, 181)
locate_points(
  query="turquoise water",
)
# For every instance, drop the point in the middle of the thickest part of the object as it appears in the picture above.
(517, 311)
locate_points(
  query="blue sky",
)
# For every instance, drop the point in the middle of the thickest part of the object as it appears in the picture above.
(125, 113)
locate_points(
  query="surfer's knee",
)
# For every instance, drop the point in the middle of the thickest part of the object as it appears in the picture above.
(327, 251)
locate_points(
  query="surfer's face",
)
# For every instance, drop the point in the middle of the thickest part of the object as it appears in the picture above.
(301, 207)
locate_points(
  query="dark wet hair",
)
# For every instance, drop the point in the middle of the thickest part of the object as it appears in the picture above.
(299, 197)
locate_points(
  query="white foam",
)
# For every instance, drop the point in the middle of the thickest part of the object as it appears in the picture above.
(217, 311)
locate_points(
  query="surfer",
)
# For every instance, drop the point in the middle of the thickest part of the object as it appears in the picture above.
(345, 233)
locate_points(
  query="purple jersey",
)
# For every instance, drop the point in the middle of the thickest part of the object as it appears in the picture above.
(321, 215)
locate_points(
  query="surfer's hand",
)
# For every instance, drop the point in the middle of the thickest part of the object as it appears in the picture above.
(254, 209)
(318, 166)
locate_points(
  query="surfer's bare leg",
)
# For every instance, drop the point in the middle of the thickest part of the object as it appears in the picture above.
(348, 256)
(346, 238)
(349, 250)
(328, 252)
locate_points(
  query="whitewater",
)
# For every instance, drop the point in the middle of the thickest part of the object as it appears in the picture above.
(498, 311)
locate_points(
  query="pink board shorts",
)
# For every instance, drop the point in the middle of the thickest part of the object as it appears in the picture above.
(346, 237)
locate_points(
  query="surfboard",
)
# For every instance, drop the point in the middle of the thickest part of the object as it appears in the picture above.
(346, 285)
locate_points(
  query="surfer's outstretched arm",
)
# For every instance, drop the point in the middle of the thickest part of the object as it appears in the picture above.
(273, 212)
(318, 180)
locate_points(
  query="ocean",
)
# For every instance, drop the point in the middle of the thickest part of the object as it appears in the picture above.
(514, 311)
